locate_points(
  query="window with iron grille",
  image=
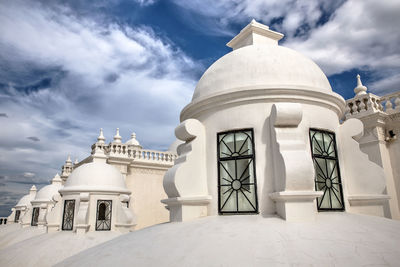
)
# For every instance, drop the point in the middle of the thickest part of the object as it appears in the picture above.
(327, 173)
(68, 215)
(103, 219)
(35, 216)
(17, 214)
(237, 186)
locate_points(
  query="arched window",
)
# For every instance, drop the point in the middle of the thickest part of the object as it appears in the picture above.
(1, 221)
(237, 186)
(17, 214)
(103, 219)
(327, 172)
(68, 215)
(35, 216)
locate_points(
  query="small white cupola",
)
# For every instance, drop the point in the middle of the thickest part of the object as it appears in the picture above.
(44, 201)
(133, 142)
(94, 198)
(255, 34)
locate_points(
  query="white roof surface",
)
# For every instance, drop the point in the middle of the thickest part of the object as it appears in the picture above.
(33, 247)
(335, 239)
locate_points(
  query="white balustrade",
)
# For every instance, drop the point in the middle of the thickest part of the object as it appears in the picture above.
(124, 151)
(370, 103)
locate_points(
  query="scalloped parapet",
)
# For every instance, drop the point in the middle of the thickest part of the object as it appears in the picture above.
(293, 168)
(365, 180)
(186, 182)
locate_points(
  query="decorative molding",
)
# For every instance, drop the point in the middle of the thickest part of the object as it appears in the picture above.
(273, 94)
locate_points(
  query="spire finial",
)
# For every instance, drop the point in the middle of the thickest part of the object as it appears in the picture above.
(68, 159)
(133, 135)
(76, 161)
(117, 137)
(101, 139)
(33, 188)
(360, 88)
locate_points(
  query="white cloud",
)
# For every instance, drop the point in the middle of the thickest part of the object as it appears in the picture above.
(101, 75)
(355, 34)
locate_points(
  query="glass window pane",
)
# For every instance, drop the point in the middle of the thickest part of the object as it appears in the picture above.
(68, 216)
(103, 218)
(237, 182)
(243, 143)
(35, 216)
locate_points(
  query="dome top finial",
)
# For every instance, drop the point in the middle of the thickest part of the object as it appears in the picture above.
(360, 89)
(101, 139)
(68, 159)
(255, 33)
(117, 137)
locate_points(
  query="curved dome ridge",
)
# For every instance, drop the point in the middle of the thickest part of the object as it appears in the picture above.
(25, 200)
(261, 66)
(96, 176)
(47, 192)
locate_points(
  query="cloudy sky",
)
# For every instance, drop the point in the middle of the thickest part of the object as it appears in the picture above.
(70, 68)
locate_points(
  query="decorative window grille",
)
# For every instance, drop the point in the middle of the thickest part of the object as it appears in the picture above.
(237, 186)
(35, 216)
(68, 216)
(103, 219)
(327, 173)
(17, 214)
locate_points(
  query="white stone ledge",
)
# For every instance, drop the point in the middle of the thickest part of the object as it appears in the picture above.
(195, 200)
(295, 195)
(356, 200)
(274, 94)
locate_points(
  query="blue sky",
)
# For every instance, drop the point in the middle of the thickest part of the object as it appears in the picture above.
(70, 68)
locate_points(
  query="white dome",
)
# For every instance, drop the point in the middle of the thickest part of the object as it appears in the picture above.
(261, 67)
(25, 201)
(96, 176)
(46, 193)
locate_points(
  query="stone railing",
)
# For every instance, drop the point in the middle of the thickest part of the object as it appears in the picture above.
(116, 150)
(370, 103)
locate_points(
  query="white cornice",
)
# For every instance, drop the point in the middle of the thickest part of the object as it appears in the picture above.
(259, 94)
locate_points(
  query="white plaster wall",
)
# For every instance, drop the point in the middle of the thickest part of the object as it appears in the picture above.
(386, 156)
(146, 185)
(256, 116)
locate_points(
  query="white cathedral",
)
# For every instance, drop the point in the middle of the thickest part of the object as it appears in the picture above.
(270, 167)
